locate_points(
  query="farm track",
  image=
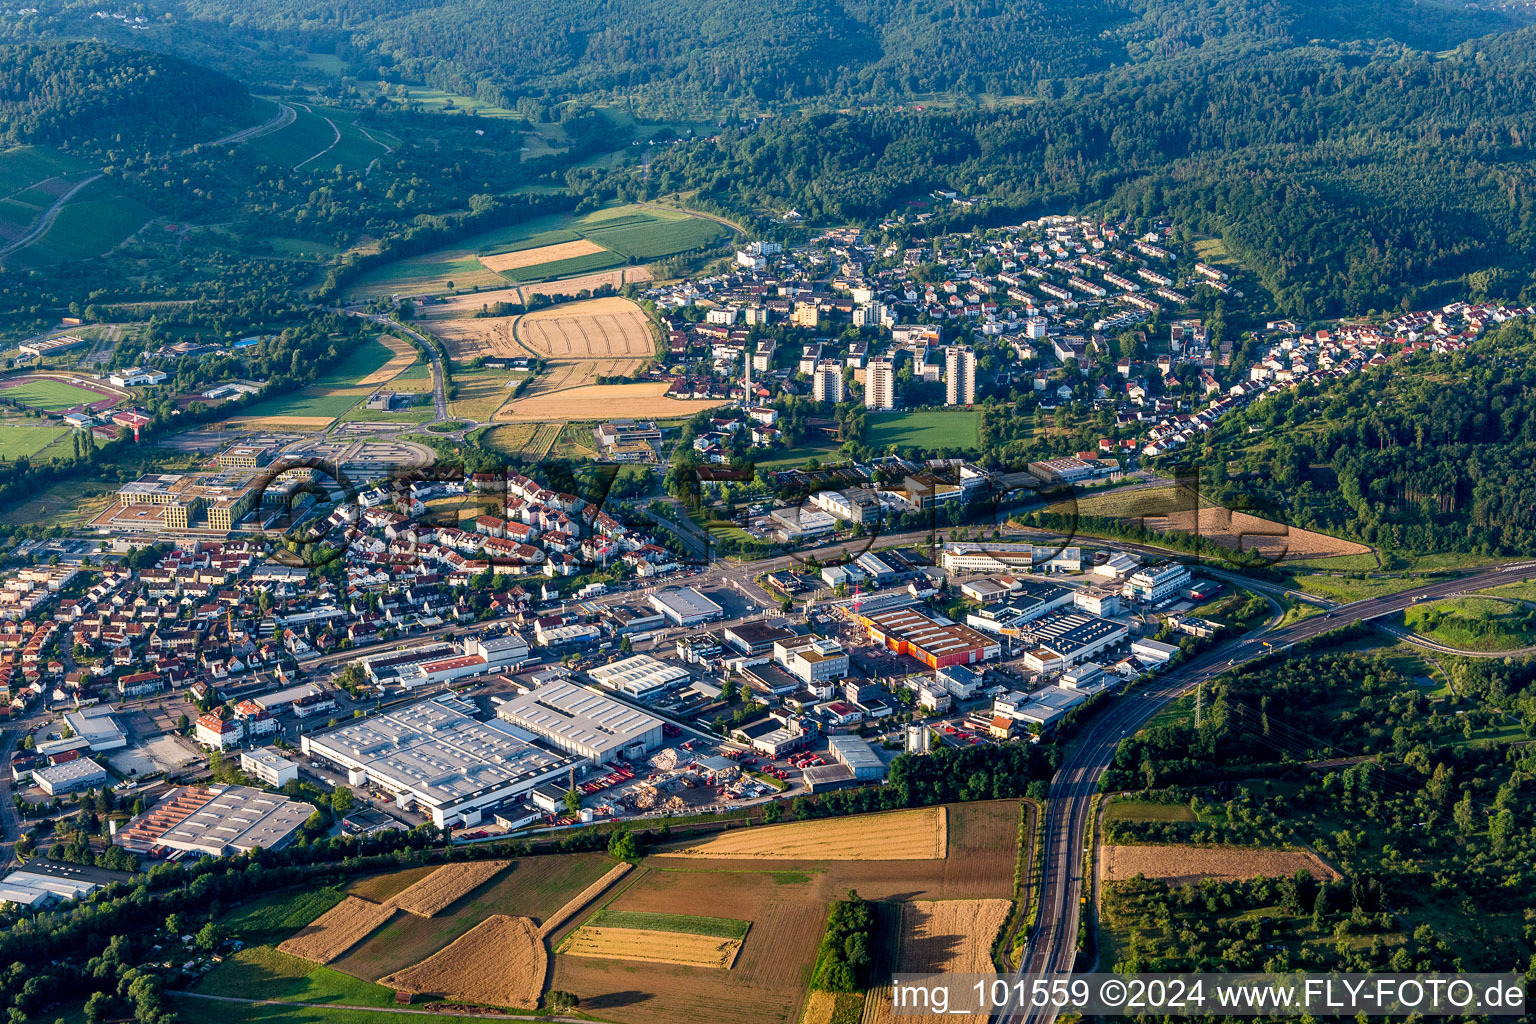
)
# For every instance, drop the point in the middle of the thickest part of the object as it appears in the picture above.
(284, 116)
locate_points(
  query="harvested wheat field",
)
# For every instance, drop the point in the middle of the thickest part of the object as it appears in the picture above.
(595, 329)
(1180, 510)
(1180, 864)
(917, 834)
(601, 402)
(581, 899)
(541, 254)
(402, 355)
(280, 422)
(941, 937)
(500, 961)
(655, 947)
(446, 884)
(337, 930)
(454, 307)
(489, 337)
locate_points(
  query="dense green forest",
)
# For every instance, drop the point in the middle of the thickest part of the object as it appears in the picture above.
(671, 57)
(84, 93)
(1428, 454)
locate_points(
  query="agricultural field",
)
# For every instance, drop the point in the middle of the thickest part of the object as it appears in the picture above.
(316, 139)
(942, 937)
(917, 834)
(98, 218)
(404, 355)
(22, 167)
(331, 396)
(536, 888)
(337, 930)
(595, 402)
(477, 394)
(625, 234)
(1123, 809)
(1174, 509)
(786, 904)
(382, 888)
(1178, 864)
(522, 259)
(500, 961)
(708, 942)
(434, 893)
(522, 440)
(931, 430)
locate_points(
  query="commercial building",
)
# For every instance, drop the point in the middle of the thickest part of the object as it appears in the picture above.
(934, 642)
(433, 755)
(854, 505)
(269, 766)
(70, 776)
(1062, 640)
(38, 889)
(880, 384)
(578, 721)
(988, 556)
(217, 821)
(827, 381)
(960, 375)
(1070, 470)
(1156, 582)
(97, 726)
(685, 606)
(812, 659)
(214, 501)
(756, 636)
(1154, 651)
(640, 677)
(859, 757)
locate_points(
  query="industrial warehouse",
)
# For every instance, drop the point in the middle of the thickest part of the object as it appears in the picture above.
(437, 757)
(581, 722)
(935, 642)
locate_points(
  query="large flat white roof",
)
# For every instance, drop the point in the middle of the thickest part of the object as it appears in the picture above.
(575, 718)
(438, 753)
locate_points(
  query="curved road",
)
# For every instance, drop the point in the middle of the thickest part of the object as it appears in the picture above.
(1052, 947)
(38, 229)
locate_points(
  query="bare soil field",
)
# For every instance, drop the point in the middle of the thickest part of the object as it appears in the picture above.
(647, 401)
(500, 961)
(542, 254)
(446, 884)
(917, 834)
(1180, 864)
(403, 355)
(652, 947)
(581, 899)
(337, 930)
(1179, 510)
(941, 936)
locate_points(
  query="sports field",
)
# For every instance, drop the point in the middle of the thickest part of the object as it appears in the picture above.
(53, 395)
(22, 440)
(933, 430)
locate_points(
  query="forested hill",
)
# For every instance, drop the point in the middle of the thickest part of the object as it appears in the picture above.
(1347, 181)
(703, 57)
(88, 93)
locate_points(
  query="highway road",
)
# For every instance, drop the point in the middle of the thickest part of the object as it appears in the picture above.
(1052, 947)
